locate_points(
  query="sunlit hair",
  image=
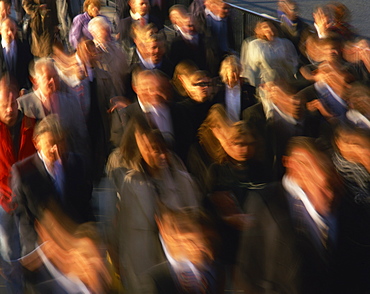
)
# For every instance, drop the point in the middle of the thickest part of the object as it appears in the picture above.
(50, 124)
(184, 68)
(96, 3)
(230, 64)
(129, 150)
(323, 159)
(217, 119)
(36, 65)
(99, 22)
(258, 29)
(142, 32)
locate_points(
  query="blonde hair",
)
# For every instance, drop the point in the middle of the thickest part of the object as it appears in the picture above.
(230, 63)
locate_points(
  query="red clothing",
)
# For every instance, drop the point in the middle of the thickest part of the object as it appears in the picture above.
(8, 158)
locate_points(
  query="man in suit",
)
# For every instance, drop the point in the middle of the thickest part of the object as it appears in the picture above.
(280, 116)
(48, 99)
(15, 54)
(186, 239)
(289, 247)
(139, 13)
(50, 179)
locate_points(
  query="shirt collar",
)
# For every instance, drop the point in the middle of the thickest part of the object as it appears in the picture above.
(5, 44)
(137, 16)
(210, 13)
(148, 64)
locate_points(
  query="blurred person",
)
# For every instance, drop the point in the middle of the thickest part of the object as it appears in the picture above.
(216, 23)
(5, 9)
(94, 90)
(268, 56)
(16, 132)
(50, 177)
(139, 13)
(328, 94)
(153, 92)
(236, 94)
(193, 45)
(176, 13)
(44, 25)
(351, 158)
(235, 173)
(183, 70)
(145, 172)
(341, 17)
(15, 55)
(292, 25)
(79, 29)
(291, 243)
(278, 117)
(150, 50)
(48, 99)
(194, 107)
(189, 245)
(112, 59)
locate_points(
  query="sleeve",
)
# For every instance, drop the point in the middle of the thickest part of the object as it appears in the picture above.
(75, 31)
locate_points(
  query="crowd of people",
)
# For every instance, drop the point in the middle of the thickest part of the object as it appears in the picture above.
(241, 169)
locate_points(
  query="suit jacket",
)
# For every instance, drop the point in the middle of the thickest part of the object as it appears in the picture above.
(35, 191)
(274, 257)
(22, 57)
(70, 114)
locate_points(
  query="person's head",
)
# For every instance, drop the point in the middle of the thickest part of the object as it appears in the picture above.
(5, 6)
(230, 70)
(45, 77)
(239, 142)
(143, 148)
(100, 29)
(92, 7)
(8, 102)
(48, 138)
(186, 25)
(142, 35)
(353, 143)
(156, 48)
(218, 8)
(185, 235)
(313, 171)
(176, 13)
(330, 48)
(8, 30)
(183, 70)
(290, 9)
(340, 12)
(87, 52)
(265, 30)
(359, 98)
(197, 85)
(150, 86)
(139, 6)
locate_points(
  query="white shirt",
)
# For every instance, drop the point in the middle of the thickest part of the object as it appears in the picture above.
(232, 101)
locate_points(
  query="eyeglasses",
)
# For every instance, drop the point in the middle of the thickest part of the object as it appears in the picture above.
(202, 84)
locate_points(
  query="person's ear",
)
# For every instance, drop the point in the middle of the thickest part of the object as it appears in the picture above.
(286, 161)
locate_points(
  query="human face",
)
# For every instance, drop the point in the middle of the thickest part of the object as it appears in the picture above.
(8, 31)
(330, 52)
(47, 145)
(47, 80)
(156, 51)
(8, 107)
(220, 9)
(354, 148)
(291, 105)
(199, 90)
(152, 154)
(187, 26)
(291, 11)
(304, 169)
(149, 89)
(232, 77)
(92, 10)
(241, 148)
(185, 246)
(140, 6)
(268, 31)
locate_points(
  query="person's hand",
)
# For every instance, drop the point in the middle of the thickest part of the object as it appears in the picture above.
(317, 105)
(118, 102)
